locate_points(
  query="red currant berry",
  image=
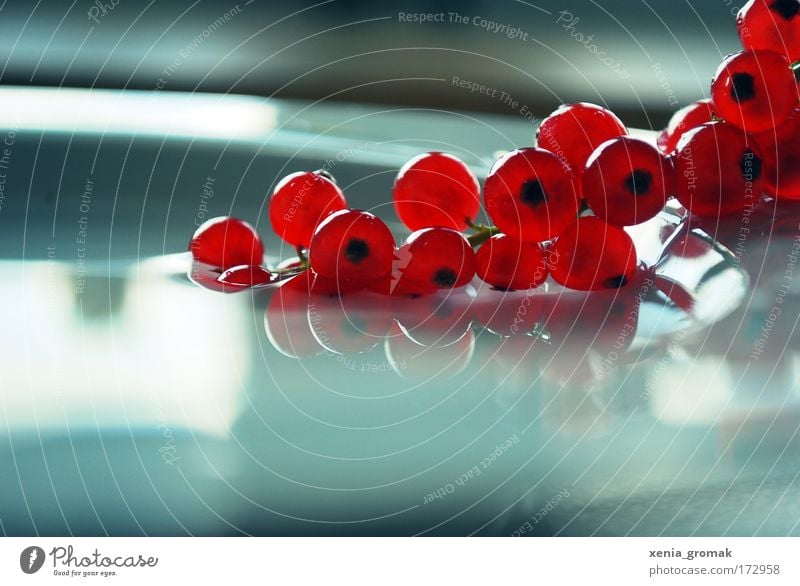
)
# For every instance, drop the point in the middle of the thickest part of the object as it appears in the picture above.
(436, 189)
(506, 263)
(754, 90)
(780, 151)
(530, 195)
(300, 202)
(573, 131)
(436, 258)
(772, 25)
(245, 276)
(591, 255)
(226, 242)
(682, 121)
(627, 181)
(351, 245)
(718, 170)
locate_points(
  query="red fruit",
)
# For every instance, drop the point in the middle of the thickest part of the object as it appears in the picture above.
(300, 202)
(435, 258)
(506, 263)
(718, 170)
(245, 276)
(573, 131)
(225, 242)
(682, 121)
(627, 181)
(772, 25)
(530, 195)
(754, 90)
(351, 245)
(780, 155)
(591, 255)
(436, 189)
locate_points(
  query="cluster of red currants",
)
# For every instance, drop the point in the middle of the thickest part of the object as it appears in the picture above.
(559, 208)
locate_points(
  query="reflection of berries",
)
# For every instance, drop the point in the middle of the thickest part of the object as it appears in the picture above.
(506, 313)
(627, 181)
(439, 319)
(226, 242)
(286, 321)
(771, 24)
(780, 153)
(351, 323)
(530, 195)
(592, 254)
(754, 90)
(244, 277)
(438, 258)
(422, 364)
(300, 202)
(506, 263)
(436, 189)
(351, 245)
(682, 121)
(573, 131)
(718, 170)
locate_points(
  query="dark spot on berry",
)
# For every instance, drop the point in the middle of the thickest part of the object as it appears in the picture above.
(445, 277)
(750, 166)
(788, 9)
(743, 87)
(532, 193)
(356, 250)
(639, 181)
(353, 326)
(616, 282)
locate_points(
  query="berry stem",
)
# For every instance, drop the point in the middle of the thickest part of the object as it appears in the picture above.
(482, 233)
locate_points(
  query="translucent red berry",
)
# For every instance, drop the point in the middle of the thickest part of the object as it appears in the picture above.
(627, 181)
(300, 202)
(718, 170)
(754, 90)
(573, 131)
(530, 195)
(352, 245)
(436, 189)
(780, 154)
(435, 258)
(508, 264)
(772, 25)
(226, 242)
(591, 255)
(682, 121)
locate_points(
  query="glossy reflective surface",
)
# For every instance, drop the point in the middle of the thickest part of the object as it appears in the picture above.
(133, 401)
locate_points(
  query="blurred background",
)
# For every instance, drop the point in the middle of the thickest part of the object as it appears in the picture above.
(642, 58)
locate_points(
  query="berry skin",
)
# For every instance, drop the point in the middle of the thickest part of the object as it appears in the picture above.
(573, 131)
(530, 195)
(226, 242)
(510, 264)
(592, 255)
(754, 90)
(352, 245)
(627, 181)
(300, 202)
(682, 121)
(772, 25)
(435, 258)
(436, 189)
(718, 170)
(780, 151)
